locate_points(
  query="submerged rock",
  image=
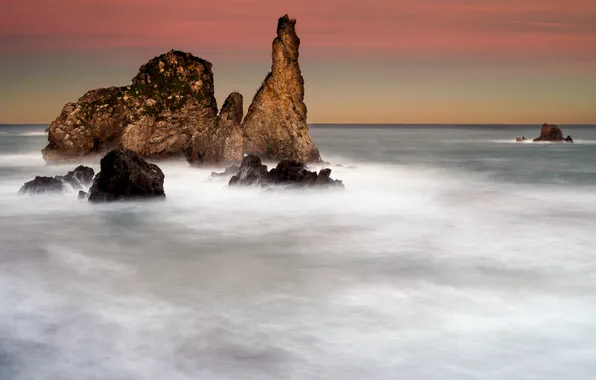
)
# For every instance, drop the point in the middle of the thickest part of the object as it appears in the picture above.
(222, 141)
(169, 100)
(287, 173)
(226, 173)
(551, 132)
(126, 175)
(80, 177)
(43, 185)
(275, 125)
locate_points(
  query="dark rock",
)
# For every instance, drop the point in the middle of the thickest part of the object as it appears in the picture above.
(43, 185)
(226, 173)
(81, 176)
(83, 195)
(251, 172)
(568, 139)
(287, 173)
(550, 132)
(125, 175)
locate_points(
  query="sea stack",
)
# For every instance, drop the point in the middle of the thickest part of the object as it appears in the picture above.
(169, 100)
(275, 126)
(551, 132)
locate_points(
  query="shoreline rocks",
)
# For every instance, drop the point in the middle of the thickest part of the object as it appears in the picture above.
(126, 175)
(79, 178)
(287, 174)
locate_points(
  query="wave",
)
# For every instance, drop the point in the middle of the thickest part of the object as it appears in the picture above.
(23, 134)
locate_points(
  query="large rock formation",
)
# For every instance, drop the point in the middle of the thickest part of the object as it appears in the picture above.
(550, 132)
(169, 100)
(287, 174)
(80, 177)
(222, 141)
(275, 125)
(125, 175)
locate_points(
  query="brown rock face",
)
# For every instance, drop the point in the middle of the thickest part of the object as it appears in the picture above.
(275, 125)
(550, 132)
(222, 141)
(169, 100)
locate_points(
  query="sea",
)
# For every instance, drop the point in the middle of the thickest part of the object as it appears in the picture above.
(454, 253)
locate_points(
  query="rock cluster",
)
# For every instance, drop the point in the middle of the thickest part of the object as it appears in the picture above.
(125, 175)
(287, 174)
(170, 110)
(550, 132)
(80, 177)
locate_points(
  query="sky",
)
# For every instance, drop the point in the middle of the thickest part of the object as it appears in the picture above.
(374, 61)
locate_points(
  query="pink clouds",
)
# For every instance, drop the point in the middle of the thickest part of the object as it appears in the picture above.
(330, 28)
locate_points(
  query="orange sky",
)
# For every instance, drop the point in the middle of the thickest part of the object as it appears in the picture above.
(424, 61)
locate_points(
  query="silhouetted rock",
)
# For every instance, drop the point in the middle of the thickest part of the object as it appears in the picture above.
(287, 173)
(228, 172)
(43, 185)
(125, 175)
(568, 139)
(550, 132)
(81, 176)
(169, 100)
(251, 172)
(222, 141)
(275, 125)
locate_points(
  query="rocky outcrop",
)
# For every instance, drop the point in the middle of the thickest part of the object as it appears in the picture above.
(287, 174)
(80, 177)
(230, 171)
(125, 175)
(169, 100)
(275, 126)
(220, 142)
(43, 185)
(568, 139)
(550, 132)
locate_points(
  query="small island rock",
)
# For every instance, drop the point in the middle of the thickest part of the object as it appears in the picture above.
(126, 175)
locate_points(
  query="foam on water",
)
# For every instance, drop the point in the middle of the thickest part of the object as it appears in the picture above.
(414, 271)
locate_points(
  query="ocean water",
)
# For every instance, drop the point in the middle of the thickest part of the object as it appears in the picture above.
(453, 253)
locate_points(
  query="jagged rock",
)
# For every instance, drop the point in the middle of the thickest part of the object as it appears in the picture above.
(43, 185)
(287, 173)
(82, 195)
(226, 173)
(169, 100)
(222, 141)
(568, 139)
(81, 176)
(550, 132)
(251, 172)
(125, 175)
(275, 125)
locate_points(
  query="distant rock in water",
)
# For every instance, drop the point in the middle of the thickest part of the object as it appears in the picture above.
(230, 171)
(43, 185)
(126, 175)
(80, 177)
(220, 142)
(275, 126)
(169, 100)
(551, 132)
(287, 173)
